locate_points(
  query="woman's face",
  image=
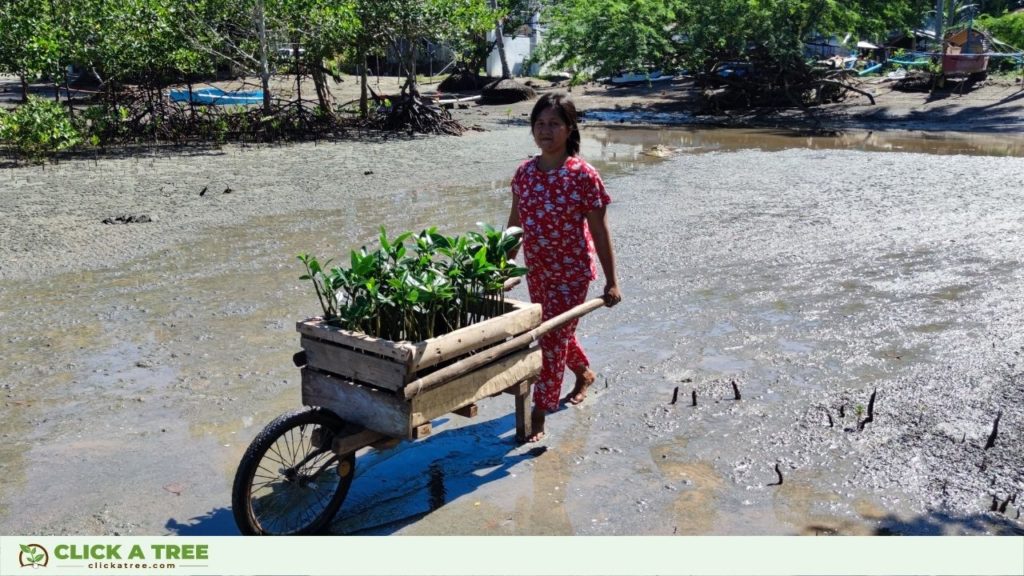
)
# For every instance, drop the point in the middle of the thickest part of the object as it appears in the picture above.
(550, 132)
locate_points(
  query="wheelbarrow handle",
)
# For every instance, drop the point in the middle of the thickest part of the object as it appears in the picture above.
(566, 317)
(475, 361)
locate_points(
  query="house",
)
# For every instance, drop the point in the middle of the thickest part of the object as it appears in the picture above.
(518, 49)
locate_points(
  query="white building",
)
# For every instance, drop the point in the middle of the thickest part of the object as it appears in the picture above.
(517, 50)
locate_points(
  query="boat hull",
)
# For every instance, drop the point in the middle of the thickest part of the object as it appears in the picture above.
(964, 63)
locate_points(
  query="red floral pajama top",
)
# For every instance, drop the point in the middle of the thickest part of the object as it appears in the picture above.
(552, 212)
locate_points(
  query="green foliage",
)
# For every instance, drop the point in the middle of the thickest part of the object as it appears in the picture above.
(435, 285)
(1008, 28)
(38, 129)
(610, 35)
(606, 36)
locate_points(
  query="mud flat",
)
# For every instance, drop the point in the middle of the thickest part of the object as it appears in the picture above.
(140, 359)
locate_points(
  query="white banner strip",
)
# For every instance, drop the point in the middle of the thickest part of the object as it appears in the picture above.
(499, 556)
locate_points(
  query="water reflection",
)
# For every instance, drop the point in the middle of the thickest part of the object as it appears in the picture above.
(701, 140)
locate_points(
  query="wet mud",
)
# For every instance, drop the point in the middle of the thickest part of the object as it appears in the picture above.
(140, 360)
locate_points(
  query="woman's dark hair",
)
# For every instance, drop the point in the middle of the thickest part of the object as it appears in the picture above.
(566, 109)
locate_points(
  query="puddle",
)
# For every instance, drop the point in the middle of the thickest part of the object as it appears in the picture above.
(704, 140)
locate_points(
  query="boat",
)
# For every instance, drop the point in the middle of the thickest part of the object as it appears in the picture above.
(966, 53)
(217, 97)
(639, 78)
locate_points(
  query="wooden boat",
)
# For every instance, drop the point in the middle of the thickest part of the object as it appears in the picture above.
(966, 53)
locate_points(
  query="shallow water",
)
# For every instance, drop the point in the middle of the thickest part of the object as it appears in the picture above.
(808, 273)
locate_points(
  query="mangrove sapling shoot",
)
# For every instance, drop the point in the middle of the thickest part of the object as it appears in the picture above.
(779, 472)
(675, 395)
(995, 431)
(736, 390)
(871, 411)
(693, 396)
(438, 285)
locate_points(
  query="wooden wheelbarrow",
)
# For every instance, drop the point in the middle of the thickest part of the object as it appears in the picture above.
(361, 392)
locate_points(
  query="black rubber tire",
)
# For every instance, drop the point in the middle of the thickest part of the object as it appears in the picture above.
(285, 442)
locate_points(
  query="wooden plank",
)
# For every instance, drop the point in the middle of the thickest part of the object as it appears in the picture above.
(421, 431)
(401, 352)
(524, 425)
(522, 317)
(352, 442)
(469, 411)
(470, 388)
(371, 408)
(471, 363)
(329, 357)
(386, 444)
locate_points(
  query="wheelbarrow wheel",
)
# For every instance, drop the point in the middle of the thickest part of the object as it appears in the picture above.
(289, 481)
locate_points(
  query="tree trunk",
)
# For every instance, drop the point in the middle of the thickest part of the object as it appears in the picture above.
(499, 40)
(67, 94)
(364, 109)
(24, 88)
(298, 77)
(410, 70)
(323, 95)
(261, 23)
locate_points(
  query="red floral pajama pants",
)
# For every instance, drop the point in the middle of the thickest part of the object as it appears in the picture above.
(559, 348)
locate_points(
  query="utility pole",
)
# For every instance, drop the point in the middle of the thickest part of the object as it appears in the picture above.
(939, 12)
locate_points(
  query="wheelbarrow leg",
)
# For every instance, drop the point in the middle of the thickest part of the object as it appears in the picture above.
(524, 428)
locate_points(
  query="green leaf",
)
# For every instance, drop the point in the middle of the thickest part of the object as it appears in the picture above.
(27, 549)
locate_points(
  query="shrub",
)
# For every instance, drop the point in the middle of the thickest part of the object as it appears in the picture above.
(37, 129)
(1007, 28)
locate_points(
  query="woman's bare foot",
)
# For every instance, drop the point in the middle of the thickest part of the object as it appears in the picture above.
(583, 381)
(536, 425)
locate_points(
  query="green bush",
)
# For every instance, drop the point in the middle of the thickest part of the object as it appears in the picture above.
(1007, 28)
(38, 129)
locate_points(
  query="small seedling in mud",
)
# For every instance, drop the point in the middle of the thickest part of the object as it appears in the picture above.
(858, 410)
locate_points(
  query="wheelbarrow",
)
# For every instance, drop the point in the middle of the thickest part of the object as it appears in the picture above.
(364, 392)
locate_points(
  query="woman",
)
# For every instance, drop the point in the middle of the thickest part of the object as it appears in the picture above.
(560, 202)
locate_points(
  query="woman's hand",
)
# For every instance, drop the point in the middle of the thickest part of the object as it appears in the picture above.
(612, 295)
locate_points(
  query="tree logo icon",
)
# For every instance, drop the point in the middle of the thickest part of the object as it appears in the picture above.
(33, 555)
